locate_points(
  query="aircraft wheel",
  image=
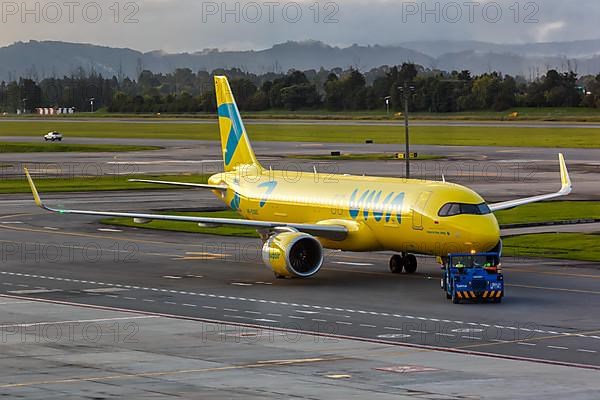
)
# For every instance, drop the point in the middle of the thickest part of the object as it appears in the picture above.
(410, 264)
(396, 264)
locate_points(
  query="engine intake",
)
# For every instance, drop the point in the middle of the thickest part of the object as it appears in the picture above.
(293, 254)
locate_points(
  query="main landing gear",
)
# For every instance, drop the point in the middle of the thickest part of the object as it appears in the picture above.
(406, 262)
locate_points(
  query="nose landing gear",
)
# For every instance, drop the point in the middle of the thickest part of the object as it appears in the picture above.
(406, 262)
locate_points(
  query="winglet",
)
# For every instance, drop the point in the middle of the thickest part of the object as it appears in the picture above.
(36, 196)
(565, 179)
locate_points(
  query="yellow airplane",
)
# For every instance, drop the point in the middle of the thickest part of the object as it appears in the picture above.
(299, 214)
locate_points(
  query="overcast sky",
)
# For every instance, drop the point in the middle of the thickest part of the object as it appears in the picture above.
(190, 25)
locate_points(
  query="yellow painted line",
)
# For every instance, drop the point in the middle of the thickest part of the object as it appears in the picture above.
(179, 257)
(258, 364)
(87, 248)
(338, 376)
(197, 258)
(204, 253)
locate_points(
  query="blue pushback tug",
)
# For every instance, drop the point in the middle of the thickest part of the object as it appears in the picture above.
(473, 277)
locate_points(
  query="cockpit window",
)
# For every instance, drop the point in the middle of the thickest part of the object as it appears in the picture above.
(452, 209)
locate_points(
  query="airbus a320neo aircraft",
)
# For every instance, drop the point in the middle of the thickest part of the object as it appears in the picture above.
(298, 216)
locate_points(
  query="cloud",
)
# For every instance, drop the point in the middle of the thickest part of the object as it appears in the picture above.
(544, 32)
(191, 25)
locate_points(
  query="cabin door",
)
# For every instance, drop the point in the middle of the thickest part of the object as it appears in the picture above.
(418, 210)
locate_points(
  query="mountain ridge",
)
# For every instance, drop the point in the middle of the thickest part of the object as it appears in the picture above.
(42, 59)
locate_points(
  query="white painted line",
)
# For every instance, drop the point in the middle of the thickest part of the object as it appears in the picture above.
(104, 290)
(149, 301)
(526, 344)
(266, 320)
(319, 320)
(393, 336)
(353, 264)
(11, 222)
(392, 328)
(34, 291)
(367, 326)
(171, 277)
(558, 347)
(253, 312)
(445, 334)
(343, 323)
(50, 228)
(471, 337)
(586, 351)
(230, 309)
(295, 317)
(416, 331)
(467, 330)
(209, 307)
(306, 312)
(109, 230)
(189, 305)
(281, 303)
(79, 321)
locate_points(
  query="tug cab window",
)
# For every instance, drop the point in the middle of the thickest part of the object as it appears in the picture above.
(452, 209)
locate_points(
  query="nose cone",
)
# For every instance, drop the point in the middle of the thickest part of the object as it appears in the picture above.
(480, 233)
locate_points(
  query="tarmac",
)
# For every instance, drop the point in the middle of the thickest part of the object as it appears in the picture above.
(154, 314)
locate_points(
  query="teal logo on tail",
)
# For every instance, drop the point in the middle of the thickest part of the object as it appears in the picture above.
(229, 110)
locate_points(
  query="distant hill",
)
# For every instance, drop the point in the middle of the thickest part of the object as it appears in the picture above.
(50, 58)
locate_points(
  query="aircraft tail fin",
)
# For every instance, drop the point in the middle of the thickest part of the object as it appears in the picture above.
(237, 150)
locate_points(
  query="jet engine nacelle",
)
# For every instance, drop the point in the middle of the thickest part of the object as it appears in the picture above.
(293, 254)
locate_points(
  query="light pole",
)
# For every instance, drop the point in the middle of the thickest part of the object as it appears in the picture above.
(92, 103)
(387, 104)
(24, 106)
(406, 90)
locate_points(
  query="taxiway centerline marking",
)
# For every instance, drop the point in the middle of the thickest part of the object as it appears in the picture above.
(352, 311)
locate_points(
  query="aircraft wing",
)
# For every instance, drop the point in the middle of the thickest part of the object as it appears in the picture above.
(333, 232)
(195, 185)
(565, 189)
